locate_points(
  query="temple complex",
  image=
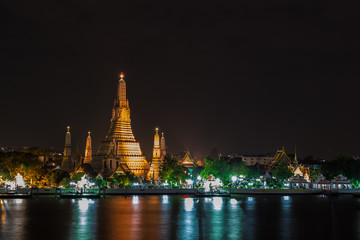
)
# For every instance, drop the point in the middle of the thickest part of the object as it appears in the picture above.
(294, 165)
(120, 149)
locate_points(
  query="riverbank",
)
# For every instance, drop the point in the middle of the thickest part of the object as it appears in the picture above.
(174, 191)
(275, 191)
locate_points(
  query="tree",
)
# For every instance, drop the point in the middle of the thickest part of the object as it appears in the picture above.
(56, 177)
(239, 168)
(77, 176)
(170, 170)
(124, 179)
(282, 171)
(218, 168)
(27, 164)
(342, 164)
(4, 174)
(252, 172)
(315, 173)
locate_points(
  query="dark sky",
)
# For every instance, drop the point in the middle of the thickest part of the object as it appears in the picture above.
(242, 76)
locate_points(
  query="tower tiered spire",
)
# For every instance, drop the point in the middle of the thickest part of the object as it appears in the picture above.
(156, 138)
(120, 147)
(162, 145)
(156, 160)
(88, 150)
(68, 164)
(122, 91)
(67, 148)
(295, 157)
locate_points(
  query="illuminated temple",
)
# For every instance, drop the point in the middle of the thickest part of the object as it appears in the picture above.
(120, 150)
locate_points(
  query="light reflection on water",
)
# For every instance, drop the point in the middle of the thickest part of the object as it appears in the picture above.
(176, 217)
(189, 204)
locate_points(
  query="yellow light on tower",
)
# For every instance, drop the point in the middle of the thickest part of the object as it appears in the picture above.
(121, 75)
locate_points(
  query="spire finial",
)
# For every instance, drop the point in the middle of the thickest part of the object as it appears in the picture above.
(156, 129)
(68, 128)
(89, 133)
(121, 75)
(162, 134)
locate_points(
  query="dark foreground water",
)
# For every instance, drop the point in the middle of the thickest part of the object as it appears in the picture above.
(176, 217)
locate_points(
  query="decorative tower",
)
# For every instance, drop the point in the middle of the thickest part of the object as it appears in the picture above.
(162, 146)
(295, 158)
(67, 163)
(88, 150)
(120, 147)
(156, 160)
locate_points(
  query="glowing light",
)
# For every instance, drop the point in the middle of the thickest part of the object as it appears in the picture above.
(18, 182)
(250, 199)
(218, 182)
(233, 201)
(84, 204)
(233, 178)
(189, 204)
(286, 198)
(135, 200)
(165, 199)
(198, 178)
(18, 201)
(217, 202)
(83, 183)
(189, 181)
(121, 75)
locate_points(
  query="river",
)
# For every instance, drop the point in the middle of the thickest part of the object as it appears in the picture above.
(180, 217)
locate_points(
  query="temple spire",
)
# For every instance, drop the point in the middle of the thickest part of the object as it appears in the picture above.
(88, 150)
(122, 91)
(162, 145)
(295, 157)
(156, 138)
(67, 163)
(67, 148)
(156, 160)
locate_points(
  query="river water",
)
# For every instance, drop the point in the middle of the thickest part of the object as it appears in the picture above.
(178, 217)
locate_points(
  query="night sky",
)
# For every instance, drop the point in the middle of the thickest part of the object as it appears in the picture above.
(241, 76)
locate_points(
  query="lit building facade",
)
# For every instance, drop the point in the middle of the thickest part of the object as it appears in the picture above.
(252, 160)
